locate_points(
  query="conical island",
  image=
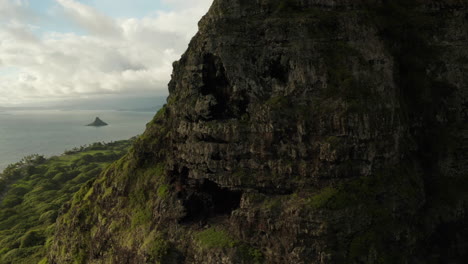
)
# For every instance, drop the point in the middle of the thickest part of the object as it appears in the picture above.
(98, 123)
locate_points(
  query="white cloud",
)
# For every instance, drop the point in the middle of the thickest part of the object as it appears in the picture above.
(15, 10)
(90, 19)
(116, 56)
(181, 4)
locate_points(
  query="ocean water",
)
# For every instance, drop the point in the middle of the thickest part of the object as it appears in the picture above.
(51, 132)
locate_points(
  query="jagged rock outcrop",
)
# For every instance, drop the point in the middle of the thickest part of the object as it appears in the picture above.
(296, 131)
(98, 123)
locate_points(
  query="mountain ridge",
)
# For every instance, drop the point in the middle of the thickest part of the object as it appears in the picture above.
(294, 132)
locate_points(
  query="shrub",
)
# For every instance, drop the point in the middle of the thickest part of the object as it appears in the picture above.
(141, 217)
(249, 254)
(60, 177)
(19, 190)
(44, 261)
(163, 191)
(214, 238)
(11, 201)
(87, 158)
(158, 249)
(320, 199)
(88, 167)
(49, 217)
(32, 238)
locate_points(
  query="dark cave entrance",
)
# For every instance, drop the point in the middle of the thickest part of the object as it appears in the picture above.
(277, 71)
(224, 200)
(207, 199)
(217, 84)
(229, 104)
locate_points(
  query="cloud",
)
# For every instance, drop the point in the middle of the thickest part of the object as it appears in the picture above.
(13, 10)
(90, 19)
(115, 56)
(182, 4)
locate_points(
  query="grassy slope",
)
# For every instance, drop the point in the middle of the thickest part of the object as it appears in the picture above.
(33, 190)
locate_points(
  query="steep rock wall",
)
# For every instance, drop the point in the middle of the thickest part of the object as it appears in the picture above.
(295, 132)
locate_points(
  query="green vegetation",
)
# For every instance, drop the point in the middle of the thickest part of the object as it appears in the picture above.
(163, 191)
(157, 247)
(140, 217)
(320, 199)
(134, 224)
(33, 190)
(214, 238)
(140, 204)
(250, 255)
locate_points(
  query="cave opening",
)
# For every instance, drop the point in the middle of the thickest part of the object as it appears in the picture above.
(224, 201)
(277, 71)
(217, 84)
(207, 199)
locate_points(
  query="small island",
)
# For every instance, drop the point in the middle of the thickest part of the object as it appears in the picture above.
(98, 123)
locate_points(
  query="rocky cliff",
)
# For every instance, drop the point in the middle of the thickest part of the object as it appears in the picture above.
(296, 131)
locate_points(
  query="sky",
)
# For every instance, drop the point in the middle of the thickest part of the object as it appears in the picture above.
(60, 50)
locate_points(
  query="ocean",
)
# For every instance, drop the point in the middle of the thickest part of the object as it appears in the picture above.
(51, 132)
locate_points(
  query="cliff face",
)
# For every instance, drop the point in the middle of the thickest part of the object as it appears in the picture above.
(296, 131)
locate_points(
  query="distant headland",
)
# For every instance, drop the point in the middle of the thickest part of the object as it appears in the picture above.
(98, 123)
